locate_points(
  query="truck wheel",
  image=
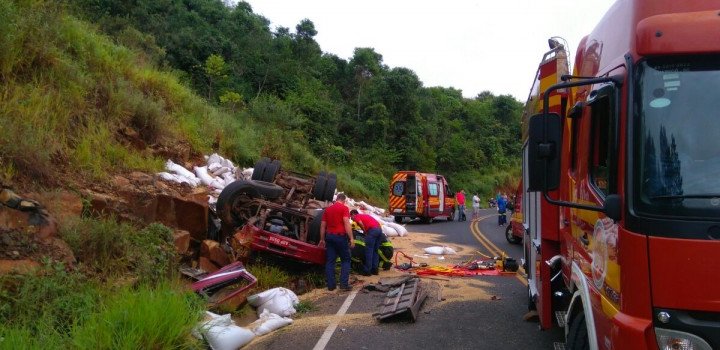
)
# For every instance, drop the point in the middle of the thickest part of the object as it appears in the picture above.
(577, 337)
(234, 204)
(398, 219)
(509, 235)
(314, 229)
(531, 302)
(330, 186)
(318, 190)
(271, 170)
(259, 170)
(451, 217)
(267, 189)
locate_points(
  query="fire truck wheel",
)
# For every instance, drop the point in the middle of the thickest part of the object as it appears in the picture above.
(268, 190)
(398, 219)
(330, 186)
(233, 204)
(510, 237)
(318, 190)
(314, 230)
(271, 170)
(577, 337)
(259, 170)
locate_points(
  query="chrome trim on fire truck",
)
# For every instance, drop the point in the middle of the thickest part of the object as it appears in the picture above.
(583, 292)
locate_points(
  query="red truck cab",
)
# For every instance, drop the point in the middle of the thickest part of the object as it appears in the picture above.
(620, 168)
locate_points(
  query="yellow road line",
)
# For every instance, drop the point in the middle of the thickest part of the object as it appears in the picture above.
(491, 247)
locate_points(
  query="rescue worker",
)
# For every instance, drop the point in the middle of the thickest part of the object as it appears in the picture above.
(335, 234)
(502, 206)
(373, 231)
(461, 205)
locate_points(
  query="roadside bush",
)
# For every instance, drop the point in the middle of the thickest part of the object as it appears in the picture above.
(142, 318)
(49, 302)
(110, 249)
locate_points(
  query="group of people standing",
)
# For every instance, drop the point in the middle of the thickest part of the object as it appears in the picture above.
(336, 236)
(502, 203)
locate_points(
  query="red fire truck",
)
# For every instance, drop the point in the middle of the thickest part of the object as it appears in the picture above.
(621, 168)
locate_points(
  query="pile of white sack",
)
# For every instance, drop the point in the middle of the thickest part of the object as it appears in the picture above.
(220, 172)
(273, 307)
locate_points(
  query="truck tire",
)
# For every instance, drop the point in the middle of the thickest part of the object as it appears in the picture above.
(271, 170)
(330, 186)
(314, 229)
(509, 235)
(268, 190)
(233, 205)
(318, 190)
(259, 170)
(577, 337)
(398, 219)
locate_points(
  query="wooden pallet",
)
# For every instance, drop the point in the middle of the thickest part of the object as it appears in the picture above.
(409, 299)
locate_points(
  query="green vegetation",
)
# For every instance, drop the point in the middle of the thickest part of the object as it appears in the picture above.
(57, 309)
(70, 97)
(89, 88)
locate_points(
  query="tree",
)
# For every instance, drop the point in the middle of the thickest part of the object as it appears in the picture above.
(215, 70)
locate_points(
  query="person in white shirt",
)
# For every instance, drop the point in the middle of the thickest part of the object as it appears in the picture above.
(476, 206)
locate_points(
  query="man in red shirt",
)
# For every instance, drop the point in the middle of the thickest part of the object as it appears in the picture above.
(373, 231)
(335, 234)
(460, 197)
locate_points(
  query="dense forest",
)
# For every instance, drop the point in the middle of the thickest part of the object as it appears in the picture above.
(280, 95)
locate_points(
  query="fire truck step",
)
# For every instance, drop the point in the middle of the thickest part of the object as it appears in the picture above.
(558, 346)
(561, 317)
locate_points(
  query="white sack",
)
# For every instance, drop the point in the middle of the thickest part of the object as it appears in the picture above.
(435, 250)
(389, 231)
(220, 170)
(448, 250)
(179, 169)
(401, 230)
(207, 179)
(280, 301)
(268, 322)
(221, 332)
(213, 166)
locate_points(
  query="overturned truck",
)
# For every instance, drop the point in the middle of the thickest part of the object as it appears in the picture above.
(276, 211)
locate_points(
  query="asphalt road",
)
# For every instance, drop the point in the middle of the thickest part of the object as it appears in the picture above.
(476, 321)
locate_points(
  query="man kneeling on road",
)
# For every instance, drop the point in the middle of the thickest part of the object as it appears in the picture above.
(372, 231)
(335, 234)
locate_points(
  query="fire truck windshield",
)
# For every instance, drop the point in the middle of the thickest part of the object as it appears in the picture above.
(677, 141)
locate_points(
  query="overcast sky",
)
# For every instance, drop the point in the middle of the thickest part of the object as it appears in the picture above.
(471, 45)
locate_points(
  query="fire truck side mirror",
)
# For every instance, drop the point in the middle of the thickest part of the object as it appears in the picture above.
(612, 207)
(545, 138)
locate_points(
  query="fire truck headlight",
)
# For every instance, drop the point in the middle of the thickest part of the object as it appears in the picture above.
(675, 340)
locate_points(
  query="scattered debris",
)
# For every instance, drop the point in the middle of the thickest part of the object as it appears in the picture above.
(407, 299)
(227, 287)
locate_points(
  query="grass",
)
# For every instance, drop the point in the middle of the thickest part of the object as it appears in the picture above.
(92, 306)
(144, 318)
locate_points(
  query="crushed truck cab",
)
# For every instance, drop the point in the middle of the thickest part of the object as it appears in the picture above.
(276, 212)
